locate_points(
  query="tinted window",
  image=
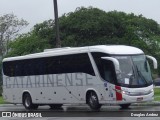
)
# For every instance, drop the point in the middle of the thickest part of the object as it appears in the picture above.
(105, 67)
(77, 63)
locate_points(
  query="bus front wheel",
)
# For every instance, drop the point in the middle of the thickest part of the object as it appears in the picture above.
(27, 102)
(92, 101)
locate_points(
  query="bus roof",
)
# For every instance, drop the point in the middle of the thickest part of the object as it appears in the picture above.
(109, 49)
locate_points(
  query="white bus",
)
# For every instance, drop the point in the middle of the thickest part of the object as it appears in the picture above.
(94, 75)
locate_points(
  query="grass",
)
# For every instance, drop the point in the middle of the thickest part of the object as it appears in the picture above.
(157, 94)
(157, 91)
(1, 100)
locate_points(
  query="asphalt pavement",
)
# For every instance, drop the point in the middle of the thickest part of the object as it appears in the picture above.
(83, 112)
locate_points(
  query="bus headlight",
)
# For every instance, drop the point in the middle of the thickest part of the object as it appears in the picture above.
(151, 90)
(125, 92)
(137, 93)
(122, 92)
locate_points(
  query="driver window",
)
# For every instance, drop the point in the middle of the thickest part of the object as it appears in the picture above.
(108, 71)
(105, 67)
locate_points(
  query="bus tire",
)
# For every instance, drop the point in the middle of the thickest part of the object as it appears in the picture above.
(35, 106)
(92, 101)
(125, 106)
(55, 106)
(27, 102)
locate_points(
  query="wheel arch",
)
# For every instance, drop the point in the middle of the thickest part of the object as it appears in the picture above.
(25, 92)
(92, 90)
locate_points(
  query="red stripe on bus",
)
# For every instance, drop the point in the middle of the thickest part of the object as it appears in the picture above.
(118, 95)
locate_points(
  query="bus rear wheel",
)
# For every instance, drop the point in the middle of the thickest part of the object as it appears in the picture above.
(55, 106)
(92, 101)
(27, 102)
(125, 106)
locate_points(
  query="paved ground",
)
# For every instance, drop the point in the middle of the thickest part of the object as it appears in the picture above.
(84, 113)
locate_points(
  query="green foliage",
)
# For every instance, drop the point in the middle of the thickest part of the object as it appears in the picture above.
(10, 25)
(45, 31)
(0, 78)
(26, 44)
(84, 27)
(91, 26)
(157, 94)
(0, 90)
(1, 100)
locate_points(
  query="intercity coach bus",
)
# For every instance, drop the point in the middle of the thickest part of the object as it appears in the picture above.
(95, 75)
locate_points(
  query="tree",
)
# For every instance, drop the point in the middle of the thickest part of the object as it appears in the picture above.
(26, 44)
(10, 25)
(46, 31)
(85, 26)
(92, 26)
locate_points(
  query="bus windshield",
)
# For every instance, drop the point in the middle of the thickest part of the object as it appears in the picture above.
(135, 71)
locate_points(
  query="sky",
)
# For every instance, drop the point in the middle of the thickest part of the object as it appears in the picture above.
(37, 11)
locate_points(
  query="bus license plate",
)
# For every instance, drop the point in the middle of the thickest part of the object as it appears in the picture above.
(140, 99)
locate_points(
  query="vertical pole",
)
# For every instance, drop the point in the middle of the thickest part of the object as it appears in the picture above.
(58, 41)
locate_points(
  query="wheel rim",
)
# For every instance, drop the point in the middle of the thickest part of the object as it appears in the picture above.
(27, 102)
(93, 100)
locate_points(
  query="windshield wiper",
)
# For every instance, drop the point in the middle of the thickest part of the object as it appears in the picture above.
(141, 75)
(133, 75)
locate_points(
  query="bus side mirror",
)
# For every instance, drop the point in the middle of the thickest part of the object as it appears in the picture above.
(115, 62)
(154, 61)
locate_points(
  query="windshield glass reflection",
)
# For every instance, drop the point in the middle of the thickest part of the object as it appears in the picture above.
(135, 71)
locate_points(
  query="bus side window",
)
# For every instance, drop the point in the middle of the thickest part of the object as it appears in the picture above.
(18, 70)
(8, 69)
(12, 69)
(82, 64)
(25, 68)
(108, 69)
(105, 68)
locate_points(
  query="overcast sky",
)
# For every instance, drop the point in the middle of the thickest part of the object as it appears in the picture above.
(36, 11)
